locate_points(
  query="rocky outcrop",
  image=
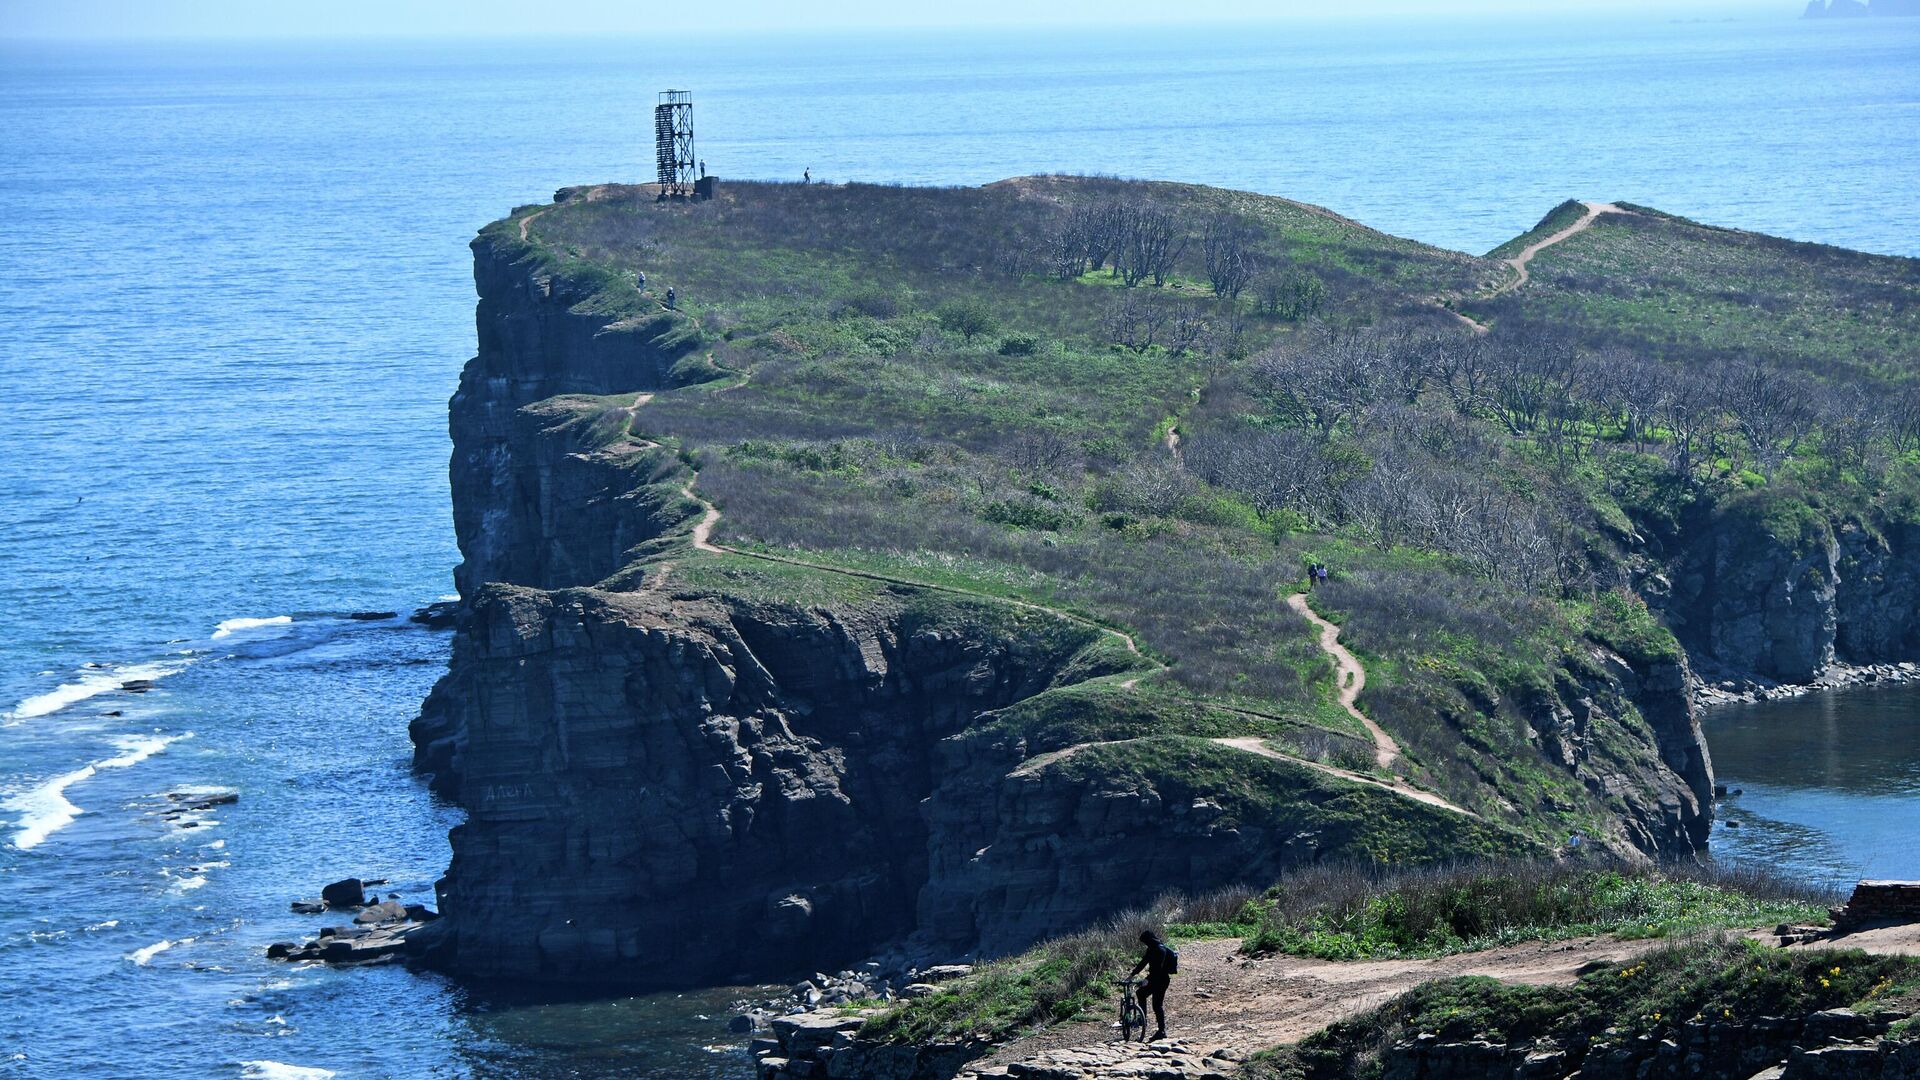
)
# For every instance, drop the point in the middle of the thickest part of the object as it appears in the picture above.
(1026, 839)
(1656, 774)
(1833, 1045)
(680, 789)
(1777, 592)
(545, 333)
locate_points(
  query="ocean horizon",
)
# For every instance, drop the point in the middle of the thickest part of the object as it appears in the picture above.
(239, 295)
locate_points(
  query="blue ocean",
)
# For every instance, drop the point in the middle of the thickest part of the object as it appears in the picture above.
(235, 295)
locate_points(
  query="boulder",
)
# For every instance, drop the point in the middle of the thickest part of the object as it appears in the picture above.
(350, 893)
(385, 912)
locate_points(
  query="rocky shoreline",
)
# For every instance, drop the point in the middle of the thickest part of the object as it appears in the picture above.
(1730, 689)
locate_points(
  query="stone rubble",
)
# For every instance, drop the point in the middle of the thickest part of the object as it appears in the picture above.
(379, 932)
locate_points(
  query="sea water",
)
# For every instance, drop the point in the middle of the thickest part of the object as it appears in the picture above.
(235, 295)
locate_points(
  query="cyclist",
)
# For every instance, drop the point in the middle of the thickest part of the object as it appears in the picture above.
(1159, 964)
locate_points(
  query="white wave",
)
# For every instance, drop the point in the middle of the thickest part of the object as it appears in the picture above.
(45, 810)
(189, 884)
(144, 956)
(229, 626)
(92, 682)
(280, 1070)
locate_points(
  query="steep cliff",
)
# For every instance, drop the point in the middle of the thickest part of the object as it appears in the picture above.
(675, 786)
(1772, 587)
(537, 510)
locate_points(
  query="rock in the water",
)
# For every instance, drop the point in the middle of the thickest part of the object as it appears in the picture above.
(437, 616)
(308, 907)
(384, 912)
(350, 893)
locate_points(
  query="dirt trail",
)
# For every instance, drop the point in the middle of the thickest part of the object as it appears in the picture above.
(1351, 679)
(1222, 1004)
(1256, 745)
(1519, 262)
(702, 538)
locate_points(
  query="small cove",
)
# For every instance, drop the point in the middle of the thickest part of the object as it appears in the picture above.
(1828, 785)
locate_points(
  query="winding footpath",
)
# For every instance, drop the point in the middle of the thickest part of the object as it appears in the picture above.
(1351, 678)
(1352, 675)
(1519, 262)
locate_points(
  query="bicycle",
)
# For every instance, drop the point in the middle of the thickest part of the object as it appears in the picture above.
(1133, 1016)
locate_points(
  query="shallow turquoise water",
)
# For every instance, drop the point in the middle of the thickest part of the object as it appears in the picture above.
(235, 294)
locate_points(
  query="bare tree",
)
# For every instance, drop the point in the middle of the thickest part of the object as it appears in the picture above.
(1134, 321)
(1186, 325)
(1153, 243)
(1226, 249)
(1693, 416)
(1772, 410)
(1322, 383)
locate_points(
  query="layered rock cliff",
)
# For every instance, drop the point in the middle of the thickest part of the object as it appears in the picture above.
(1770, 588)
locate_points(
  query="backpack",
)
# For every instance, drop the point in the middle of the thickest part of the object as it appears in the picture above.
(1173, 958)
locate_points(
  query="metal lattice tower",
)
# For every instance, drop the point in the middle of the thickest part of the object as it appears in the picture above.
(673, 143)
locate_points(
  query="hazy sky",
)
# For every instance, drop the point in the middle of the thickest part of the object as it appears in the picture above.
(441, 18)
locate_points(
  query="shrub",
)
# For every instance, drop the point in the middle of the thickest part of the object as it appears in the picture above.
(968, 317)
(1026, 514)
(1019, 345)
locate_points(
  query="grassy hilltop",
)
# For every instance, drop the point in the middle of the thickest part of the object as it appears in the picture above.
(1151, 406)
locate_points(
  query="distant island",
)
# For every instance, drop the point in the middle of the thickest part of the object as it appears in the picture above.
(1856, 9)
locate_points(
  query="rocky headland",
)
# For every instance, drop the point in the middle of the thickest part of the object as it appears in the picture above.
(698, 743)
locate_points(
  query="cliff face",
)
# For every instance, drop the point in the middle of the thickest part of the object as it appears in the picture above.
(1631, 733)
(1784, 594)
(545, 511)
(674, 789)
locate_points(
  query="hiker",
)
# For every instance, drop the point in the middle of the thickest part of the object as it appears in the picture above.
(640, 281)
(703, 168)
(806, 175)
(1161, 963)
(669, 298)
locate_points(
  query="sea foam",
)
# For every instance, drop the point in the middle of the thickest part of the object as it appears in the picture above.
(280, 1070)
(45, 810)
(92, 683)
(144, 956)
(229, 627)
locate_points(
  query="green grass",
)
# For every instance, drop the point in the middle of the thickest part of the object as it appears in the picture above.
(1718, 982)
(1462, 910)
(1681, 289)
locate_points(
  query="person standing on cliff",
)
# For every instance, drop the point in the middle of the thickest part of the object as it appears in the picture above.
(1160, 963)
